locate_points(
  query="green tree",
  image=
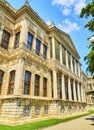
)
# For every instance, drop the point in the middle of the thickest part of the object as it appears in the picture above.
(88, 11)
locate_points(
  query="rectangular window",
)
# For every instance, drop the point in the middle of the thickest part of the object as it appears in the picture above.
(11, 82)
(5, 39)
(26, 111)
(63, 56)
(27, 80)
(37, 110)
(44, 87)
(44, 51)
(37, 85)
(38, 44)
(57, 50)
(45, 109)
(1, 80)
(29, 41)
(17, 38)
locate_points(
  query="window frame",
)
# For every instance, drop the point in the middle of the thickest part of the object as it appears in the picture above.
(1, 80)
(30, 41)
(11, 82)
(37, 85)
(5, 39)
(27, 83)
(38, 46)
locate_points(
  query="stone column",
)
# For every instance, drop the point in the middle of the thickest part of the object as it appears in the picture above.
(23, 34)
(71, 63)
(32, 84)
(54, 83)
(53, 47)
(63, 87)
(78, 69)
(34, 44)
(83, 94)
(78, 89)
(69, 89)
(41, 50)
(74, 91)
(19, 77)
(60, 53)
(48, 52)
(41, 86)
(12, 41)
(75, 67)
(1, 33)
(66, 58)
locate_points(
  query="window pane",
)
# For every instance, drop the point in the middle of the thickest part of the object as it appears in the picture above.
(27, 80)
(44, 51)
(11, 82)
(38, 43)
(5, 39)
(37, 85)
(1, 79)
(29, 41)
(44, 86)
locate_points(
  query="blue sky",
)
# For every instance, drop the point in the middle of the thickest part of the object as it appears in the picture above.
(65, 14)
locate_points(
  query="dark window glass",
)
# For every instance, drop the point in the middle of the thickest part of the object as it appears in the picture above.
(27, 80)
(26, 111)
(11, 82)
(44, 51)
(38, 43)
(1, 79)
(37, 85)
(44, 87)
(66, 87)
(29, 41)
(17, 38)
(5, 39)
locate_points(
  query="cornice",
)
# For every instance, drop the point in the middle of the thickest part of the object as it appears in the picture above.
(31, 13)
(53, 31)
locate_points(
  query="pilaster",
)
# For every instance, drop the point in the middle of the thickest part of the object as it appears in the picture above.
(60, 53)
(1, 33)
(19, 77)
(63, 87)
(74, 91)
(69, 89)
(54, 83)
(66, 58)
(53, 47)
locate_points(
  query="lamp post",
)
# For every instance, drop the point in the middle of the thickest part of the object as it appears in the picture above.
(91, 39)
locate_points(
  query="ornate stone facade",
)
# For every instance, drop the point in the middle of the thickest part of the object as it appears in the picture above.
(40, 71)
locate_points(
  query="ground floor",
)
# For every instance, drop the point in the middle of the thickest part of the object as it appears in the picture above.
(18, 110)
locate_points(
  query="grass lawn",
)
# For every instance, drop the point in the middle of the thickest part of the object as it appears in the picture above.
(42, 124)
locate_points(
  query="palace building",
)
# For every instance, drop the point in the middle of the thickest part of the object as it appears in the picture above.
(40, 69)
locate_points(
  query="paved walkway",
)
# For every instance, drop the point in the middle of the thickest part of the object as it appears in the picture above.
(84, 123)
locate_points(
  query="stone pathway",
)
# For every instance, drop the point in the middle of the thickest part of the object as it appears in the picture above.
(84, 123)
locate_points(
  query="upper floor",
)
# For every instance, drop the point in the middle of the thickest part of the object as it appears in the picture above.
(24, 32)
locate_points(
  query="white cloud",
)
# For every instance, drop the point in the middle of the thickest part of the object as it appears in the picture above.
(68, 26)
(78, 6)
(66, 11)
(69, 6)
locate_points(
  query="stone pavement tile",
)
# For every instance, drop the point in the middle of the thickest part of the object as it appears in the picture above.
(84, 123)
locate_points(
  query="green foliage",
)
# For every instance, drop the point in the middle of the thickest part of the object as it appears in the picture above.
(86, 12)
(90, 59)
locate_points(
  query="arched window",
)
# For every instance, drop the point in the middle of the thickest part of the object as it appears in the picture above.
(11, 82)
(27, 80)
(1, 80)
